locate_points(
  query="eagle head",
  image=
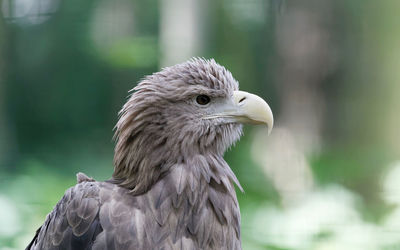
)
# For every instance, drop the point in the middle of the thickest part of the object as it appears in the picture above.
(193, 108)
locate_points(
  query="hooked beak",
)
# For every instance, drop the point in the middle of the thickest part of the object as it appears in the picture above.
(246, 108)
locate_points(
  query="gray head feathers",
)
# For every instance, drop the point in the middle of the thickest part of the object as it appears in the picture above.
(160, 126)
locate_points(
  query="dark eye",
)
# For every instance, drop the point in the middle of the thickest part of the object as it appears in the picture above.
(202, 99)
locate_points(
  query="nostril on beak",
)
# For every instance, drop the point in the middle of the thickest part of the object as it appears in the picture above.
(241, 100)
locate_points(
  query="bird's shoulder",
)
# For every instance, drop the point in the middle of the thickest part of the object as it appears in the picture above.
(74, 222)
(178, 212)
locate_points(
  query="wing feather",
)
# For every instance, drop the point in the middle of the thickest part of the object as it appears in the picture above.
(183, 210)
(73, 222)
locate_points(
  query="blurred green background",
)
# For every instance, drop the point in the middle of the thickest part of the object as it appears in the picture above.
(328, 177)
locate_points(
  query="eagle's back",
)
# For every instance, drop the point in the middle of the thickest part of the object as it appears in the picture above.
(178, 212)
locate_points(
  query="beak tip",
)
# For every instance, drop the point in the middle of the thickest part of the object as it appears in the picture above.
(254, 109)
(270, 125)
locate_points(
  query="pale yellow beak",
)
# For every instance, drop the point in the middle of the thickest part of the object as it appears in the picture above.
(244, 108)
(252, 109)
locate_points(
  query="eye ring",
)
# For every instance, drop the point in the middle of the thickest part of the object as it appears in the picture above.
(203, 99)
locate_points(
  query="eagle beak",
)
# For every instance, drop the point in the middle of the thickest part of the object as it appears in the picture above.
(244, 108)
(251, 109)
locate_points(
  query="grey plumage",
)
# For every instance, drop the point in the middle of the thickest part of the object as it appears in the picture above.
(171, 187)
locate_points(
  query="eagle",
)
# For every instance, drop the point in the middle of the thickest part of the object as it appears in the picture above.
(171, 187)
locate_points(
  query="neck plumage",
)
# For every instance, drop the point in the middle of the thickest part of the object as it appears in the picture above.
(141, 169)
(197, 200)
(145, 152)
(182, 183)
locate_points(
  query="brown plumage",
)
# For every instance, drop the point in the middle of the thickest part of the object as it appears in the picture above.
(171, 187)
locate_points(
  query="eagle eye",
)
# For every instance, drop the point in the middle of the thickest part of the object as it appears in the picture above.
(202, 99)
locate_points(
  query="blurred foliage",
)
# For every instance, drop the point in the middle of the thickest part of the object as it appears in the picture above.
(66, 68)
